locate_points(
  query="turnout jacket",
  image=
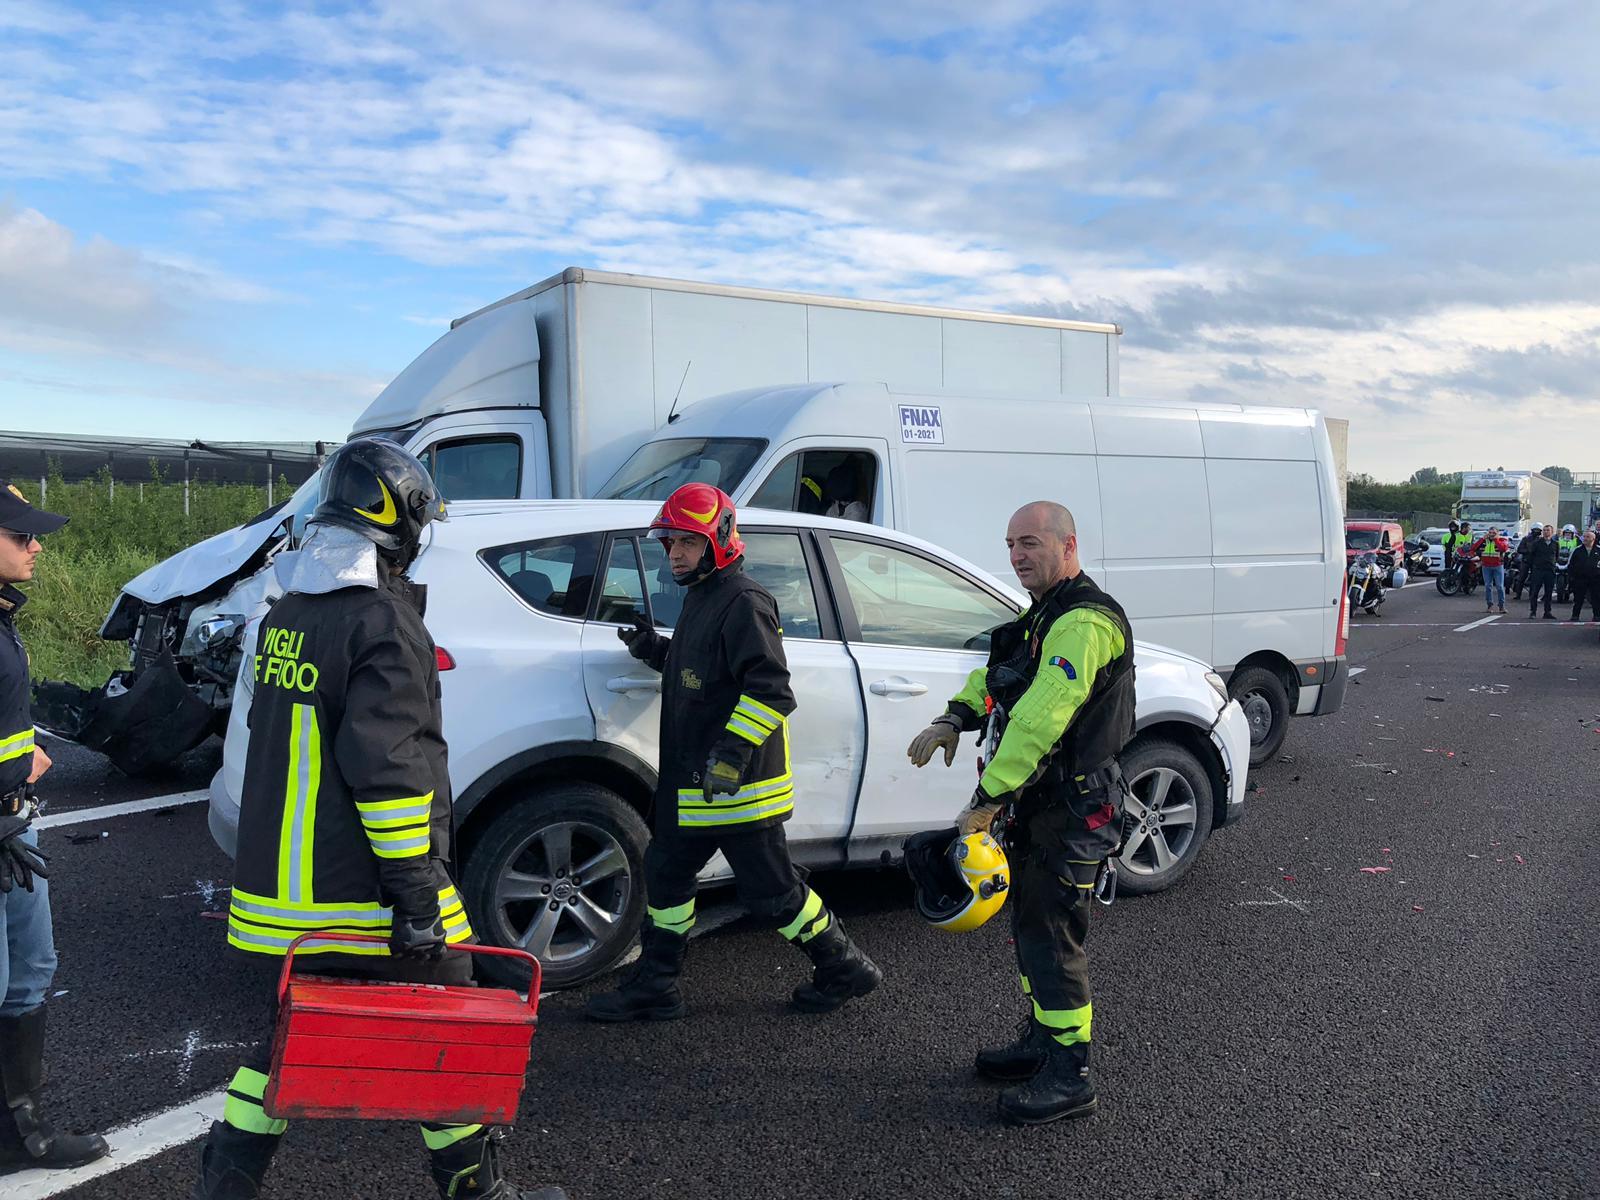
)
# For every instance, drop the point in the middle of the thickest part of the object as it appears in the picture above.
(1061, 676)
(345, 815)
(16, 709)
(725, 682)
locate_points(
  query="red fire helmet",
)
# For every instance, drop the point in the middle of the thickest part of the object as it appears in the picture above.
(703, 509)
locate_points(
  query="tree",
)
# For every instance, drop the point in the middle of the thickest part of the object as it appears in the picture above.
(1560, 474)
(1426, 475)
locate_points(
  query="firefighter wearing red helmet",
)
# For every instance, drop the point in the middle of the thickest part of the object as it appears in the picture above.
(725, 781)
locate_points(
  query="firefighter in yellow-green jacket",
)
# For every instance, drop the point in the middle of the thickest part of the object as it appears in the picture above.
(1057, 699)
(344, 817)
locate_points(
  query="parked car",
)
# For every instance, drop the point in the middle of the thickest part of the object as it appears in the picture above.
(1383, 539)
(552, 726)
(1434, 535)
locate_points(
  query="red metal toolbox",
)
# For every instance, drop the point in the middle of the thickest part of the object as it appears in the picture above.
(400, 1051)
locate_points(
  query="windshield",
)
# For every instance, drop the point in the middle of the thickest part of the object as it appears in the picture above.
(657, 469)
(1361, 539)
(1480, 514)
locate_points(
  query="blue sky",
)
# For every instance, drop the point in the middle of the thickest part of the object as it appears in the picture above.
(240, 221)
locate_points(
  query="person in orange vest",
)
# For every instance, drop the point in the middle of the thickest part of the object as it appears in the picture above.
(1492, 549)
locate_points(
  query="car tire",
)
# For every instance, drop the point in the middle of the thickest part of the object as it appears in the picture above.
(529, 863)
(1169, 817)
(1265, 700)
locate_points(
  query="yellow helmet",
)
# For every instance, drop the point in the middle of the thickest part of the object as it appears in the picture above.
(960, 881)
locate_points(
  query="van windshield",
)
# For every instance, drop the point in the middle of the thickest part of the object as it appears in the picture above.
(657, 469)
(1361, 539)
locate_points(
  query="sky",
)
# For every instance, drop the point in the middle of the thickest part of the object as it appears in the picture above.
(239, 221)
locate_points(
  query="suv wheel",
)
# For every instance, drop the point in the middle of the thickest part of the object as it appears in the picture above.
(560, 875)
(1169, 815)
(1265, 700)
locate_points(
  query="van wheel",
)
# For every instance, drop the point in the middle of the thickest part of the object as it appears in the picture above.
(1169, 815)
(560, 875)
(1265, 700)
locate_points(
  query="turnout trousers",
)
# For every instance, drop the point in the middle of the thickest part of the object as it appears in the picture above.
(770, 886)
(1055, 858)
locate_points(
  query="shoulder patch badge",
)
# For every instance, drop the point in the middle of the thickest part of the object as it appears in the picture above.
(1071, 671)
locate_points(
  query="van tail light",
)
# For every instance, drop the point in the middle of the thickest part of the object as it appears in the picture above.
(1343, 635)
(441, 656)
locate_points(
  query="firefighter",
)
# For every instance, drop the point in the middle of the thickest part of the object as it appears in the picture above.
(1060, 684)
(725, 781)
(344, 820)
(27, 944)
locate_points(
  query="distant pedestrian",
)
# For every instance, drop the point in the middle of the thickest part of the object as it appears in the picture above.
(1492, 549)
(1584, 570)
(1541, 570)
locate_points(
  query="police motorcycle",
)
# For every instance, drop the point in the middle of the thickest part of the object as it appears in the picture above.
(1416, 556)
(1460, 577)
(1366, 583)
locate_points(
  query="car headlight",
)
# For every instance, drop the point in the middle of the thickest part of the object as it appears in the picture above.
(1217, 686)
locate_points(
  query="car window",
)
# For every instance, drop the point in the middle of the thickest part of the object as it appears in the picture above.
(479, 468)
(829, 483)
(774, 560)
(903, 599)
(622, 589)
(554, 575)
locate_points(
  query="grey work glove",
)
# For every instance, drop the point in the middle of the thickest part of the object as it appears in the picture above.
(944, 733)
(420, 939)
(641, 640)
(980, 816)
(19, 862)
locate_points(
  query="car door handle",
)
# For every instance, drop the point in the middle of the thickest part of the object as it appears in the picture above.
(898, 687)
(628, 683)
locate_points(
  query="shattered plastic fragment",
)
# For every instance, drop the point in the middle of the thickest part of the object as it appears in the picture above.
(1519, 858)
(1416, 908)
(1376, 870)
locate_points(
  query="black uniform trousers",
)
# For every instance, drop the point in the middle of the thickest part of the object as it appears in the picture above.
(1055, 858)
(1586, 589)
(769, 885)
(1543, 579)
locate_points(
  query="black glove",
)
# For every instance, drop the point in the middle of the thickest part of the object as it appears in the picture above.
(19, 862)
(725, 768)
(641, 640)
(420, 939)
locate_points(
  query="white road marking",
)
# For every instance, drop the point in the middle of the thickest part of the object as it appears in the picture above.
(192, 1045)
(1354, 671)
(129, 1144)
(82, 816)
(1480, 621)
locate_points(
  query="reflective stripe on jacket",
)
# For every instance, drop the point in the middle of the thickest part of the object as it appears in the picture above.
(345, 813)
(16, 706)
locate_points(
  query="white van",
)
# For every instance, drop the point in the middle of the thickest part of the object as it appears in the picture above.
(1218, 527)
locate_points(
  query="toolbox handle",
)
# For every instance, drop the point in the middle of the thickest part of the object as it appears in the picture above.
(500, 951)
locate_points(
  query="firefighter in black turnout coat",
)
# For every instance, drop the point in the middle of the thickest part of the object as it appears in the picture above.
(725, 775)
(344, 821)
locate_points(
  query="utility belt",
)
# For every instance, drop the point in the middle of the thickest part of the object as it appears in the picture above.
(1096, 797)
(21, 802)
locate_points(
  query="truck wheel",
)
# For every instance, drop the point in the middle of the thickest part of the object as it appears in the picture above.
(560, 875)
(1265, 700)
(1169, 815)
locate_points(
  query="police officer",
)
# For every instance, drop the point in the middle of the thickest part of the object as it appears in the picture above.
(344, 820)
(724, 781)
(1541, 570)
(1060, 681)
(1449, 542)
(28, 953)
(1565, 545)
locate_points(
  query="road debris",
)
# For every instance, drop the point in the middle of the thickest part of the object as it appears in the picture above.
(1376, 870)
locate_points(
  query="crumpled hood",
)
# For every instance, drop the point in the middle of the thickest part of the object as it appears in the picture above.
(330, 558)
(194, 570)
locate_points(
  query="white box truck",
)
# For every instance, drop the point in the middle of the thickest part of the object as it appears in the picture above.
(1514, 501)
(543, 395)
(1219, 528)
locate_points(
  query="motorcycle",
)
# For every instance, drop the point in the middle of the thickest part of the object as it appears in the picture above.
(1461, 576)
(1417, 556)
(1366, 584)
(1516, 576)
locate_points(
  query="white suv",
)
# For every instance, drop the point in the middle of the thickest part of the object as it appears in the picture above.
(552, 726)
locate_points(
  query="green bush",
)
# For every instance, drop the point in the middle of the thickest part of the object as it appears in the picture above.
(113, 535)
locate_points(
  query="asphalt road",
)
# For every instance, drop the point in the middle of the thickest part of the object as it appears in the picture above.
(1381, 983)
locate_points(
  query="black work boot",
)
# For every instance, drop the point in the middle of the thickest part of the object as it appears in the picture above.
(1060, 1089)
(470, 1170)
(27, 1139)
(650, 992)
(842, 971)
(1022, 1059)
(233, 1163)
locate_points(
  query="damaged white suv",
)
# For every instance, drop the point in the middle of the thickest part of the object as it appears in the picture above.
(552, 726)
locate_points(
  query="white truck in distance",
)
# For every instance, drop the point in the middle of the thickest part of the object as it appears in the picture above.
(543, 395)
(1515, 501)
